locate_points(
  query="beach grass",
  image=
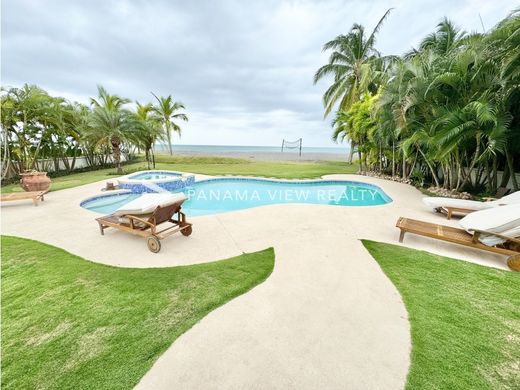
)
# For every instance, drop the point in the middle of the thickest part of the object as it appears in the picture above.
(217, 166)
(465, 319)
(68, 323)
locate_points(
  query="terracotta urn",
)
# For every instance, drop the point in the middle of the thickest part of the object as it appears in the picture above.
(35, 181)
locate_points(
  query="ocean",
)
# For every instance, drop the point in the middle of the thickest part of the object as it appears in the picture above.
(217, 149)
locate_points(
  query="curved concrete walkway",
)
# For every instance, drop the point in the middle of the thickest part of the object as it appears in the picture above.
(326, 318)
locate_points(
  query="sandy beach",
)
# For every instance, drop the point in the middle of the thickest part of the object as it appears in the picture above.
(267, 156)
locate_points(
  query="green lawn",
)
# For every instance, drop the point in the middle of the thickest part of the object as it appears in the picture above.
(465, 319)
(68, 323)
(209, 166)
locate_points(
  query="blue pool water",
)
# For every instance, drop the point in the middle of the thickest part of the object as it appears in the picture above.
(222, 195)
(154, 175)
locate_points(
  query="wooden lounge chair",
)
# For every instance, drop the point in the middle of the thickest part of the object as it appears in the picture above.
(35, 196)
(148, 226)
(451, 206)
(509, 248)
(449, 211)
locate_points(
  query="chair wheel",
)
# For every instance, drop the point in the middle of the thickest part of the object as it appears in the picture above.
(514, 262)
(154, 244)
(186, 231)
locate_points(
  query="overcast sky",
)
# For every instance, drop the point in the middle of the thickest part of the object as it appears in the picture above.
(243, 69)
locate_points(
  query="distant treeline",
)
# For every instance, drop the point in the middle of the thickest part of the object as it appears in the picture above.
(38, 129)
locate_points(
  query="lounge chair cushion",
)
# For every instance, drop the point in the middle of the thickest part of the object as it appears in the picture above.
(147, 203)
(504, 220)
(437, 202)
(491, 240)
(508, 199)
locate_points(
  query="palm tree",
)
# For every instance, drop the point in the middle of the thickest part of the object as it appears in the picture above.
(341, 132)
(148, 130)
(111, 128)
(24, 108)
(446, 103)
(504, 47)
(357, 125)
(107, 101)
(444, 39)
(110, 124)
(351, 64)
(167, 109)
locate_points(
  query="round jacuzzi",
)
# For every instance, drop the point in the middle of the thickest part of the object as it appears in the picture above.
(154, 175)
(155, 181)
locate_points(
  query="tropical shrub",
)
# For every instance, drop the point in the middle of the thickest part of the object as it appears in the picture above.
(447, 112)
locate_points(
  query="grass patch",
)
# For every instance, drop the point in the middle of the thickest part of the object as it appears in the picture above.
(70, 323)
(465, 319)
(208, 166)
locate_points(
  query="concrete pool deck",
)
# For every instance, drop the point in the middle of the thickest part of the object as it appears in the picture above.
(327, 317)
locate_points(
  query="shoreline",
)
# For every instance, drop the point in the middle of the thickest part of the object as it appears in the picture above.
(263, 156)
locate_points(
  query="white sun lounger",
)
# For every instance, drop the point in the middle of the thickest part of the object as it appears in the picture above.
(494, 230)
(147, 203)
(463, 206)
(504, 221)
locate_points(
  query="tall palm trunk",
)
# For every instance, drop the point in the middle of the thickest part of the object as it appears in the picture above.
(506, 175)
(489, 180)
(116, 151)
(6, 155)
(434, 174)
(404, 166)
(472, 165)
(34, 163)
(495, 176)
(147, 155)
(169, 137)
(393, 157)
(510, 164)
(380, 157)
(351, 152)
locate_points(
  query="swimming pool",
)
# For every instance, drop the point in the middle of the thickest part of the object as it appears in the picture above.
(221, 195)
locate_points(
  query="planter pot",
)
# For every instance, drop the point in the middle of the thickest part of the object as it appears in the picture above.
(35, 181)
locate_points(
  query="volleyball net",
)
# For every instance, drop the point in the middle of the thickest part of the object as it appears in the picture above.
(292, 145)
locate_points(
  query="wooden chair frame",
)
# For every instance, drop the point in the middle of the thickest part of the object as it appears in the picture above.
(149, 228)
(449, 211)
(511, 246)
(35, 196)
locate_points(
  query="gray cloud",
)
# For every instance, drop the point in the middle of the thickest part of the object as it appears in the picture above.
(243, 69)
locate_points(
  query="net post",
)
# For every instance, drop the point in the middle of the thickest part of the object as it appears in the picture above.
(300, 147)
(282, 144)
